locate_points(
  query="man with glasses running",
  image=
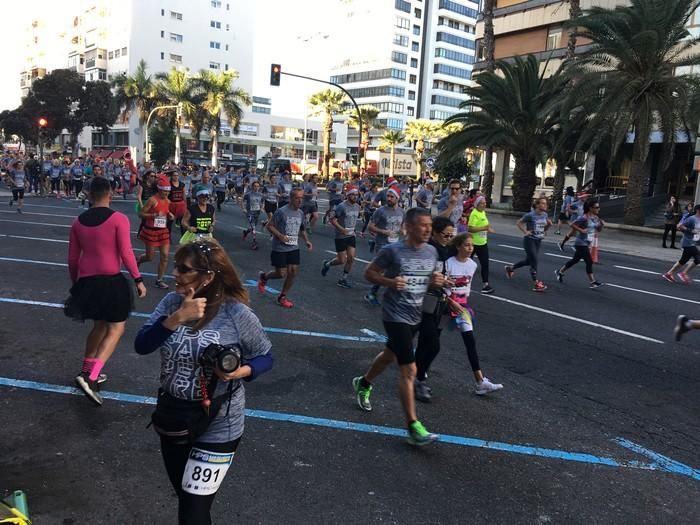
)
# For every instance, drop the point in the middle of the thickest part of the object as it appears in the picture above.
(452, 204)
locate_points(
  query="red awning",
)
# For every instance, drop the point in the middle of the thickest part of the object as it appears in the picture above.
(118, 154)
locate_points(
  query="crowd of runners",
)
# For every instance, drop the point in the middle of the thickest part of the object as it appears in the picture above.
(424, 257)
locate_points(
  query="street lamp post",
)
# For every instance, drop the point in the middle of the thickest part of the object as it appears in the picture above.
(146, 153)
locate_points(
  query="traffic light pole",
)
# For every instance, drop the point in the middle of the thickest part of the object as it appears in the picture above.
(357, 108)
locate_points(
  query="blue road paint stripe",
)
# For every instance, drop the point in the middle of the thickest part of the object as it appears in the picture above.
(48, 263)
(661, 463)
(254, 283)
(340, 337)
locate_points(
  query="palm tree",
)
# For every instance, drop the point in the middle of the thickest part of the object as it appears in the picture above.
(574, 14)
(368, 115)
(327, 103)
(635, 52)
(137, 92)
(220, 98)
(176, 87)
(489, 57)
(389, 140)
(420, 131)
(511, 114)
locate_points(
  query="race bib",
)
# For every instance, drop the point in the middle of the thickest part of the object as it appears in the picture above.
(484, 234)
(160, 221)
(591, 237)
(696, 235)
(205, 471)
(292, 240)
(393, 238)
(255, 207)
(417, 284)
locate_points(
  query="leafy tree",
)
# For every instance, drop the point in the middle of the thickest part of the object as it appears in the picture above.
(162, 139)
(448, 168)
(328, 102)
(635, 52)
(177, 87)
(17, 122)
(98, 106)
(420, 131)
(368, 116)
(389, 140)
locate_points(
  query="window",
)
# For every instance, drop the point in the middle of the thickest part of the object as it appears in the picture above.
(227, 27)
(215, 24)
(214, 65)
(418, 13)
(215, 45)
(411, 95)
(261, 100)
(459, 9)
(226, 47)
(176, 58)
(392, 123)
(455, 40)
(410, 111)
(553, 38)
(437, 114)
(378, 91)
(449, 86)
(369, 75)
(162, 12)
(454, 55)
(402, 5)
(402, 23)
(102, 74)
(414, 62)
(415, 47)
(110, 55)
(416, 30)
(215, 3)
(162, 55)
(388, 107)
(250, 130)
(162, 34)
(400, 40)
(399, 57)
(174, 37)
(452, 71)
(412, 79)
(123, 51)
(260, 109)
(117, 53)
(226, 67)
(445, 101)
(175, 15)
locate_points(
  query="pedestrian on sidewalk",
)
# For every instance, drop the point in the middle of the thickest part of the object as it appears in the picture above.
(690, 258)
(534, 225)
(672, 215)
(479, 227)
(99, 244)
(586, 228)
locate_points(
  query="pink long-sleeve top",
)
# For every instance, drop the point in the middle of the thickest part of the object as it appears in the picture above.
(99, 243)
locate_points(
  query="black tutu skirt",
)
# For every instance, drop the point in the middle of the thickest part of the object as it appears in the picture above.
(100, 298)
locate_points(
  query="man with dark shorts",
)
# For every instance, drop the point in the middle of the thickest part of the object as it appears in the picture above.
(270, 193)
(406, 268)
(286, 226)
(344, 219)
(335, 194)
(310, 204)
(690, 258)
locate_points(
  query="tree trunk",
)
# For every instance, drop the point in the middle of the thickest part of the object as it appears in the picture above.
(487, 181)
(178, 144)
(489, 38)
(574, 14)
(214, 146)
(362, 159)
(420, 148)
(327, 130)
(392, 158)
(558, 190)
(634, 209)
(524, 183)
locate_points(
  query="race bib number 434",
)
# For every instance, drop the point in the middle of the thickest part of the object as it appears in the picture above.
(205, 471)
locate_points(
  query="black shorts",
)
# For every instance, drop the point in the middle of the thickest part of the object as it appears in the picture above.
(563, 216)
(17, 193)
(309, 207)
(690, 253)
(344, 243)
(284, 259)
(270, 207)
(400, 341)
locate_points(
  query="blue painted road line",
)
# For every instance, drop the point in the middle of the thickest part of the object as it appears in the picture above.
(661, 463)
(288, 331)
(48, 263)
(252, 282)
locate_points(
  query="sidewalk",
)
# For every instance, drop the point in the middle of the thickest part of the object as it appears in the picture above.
(643, 244)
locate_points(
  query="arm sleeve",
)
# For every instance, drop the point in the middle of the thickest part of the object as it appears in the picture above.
(153, 333)
(384, 257)
(126, 253)
(74, 252)
(255, 345)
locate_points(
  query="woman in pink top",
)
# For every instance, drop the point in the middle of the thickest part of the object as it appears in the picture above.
(99, 244)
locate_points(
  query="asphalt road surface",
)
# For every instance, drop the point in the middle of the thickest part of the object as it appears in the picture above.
(598, 421)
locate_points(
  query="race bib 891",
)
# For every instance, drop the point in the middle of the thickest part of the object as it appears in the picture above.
(205, 471)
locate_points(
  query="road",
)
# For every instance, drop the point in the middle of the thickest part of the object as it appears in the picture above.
(598, 421)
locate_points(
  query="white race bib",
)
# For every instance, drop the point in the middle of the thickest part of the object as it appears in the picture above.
(205, 471)
(255, 207)
(484, 234)
(161, 221)
(292, 240)
(417, 284)
(591, 237)
(393, 237)
(696, 235)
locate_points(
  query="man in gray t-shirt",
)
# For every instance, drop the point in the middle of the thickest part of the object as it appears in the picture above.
(452, 205)
(253, 204)
(406, 268)
(424, 198)
(344, 220)
(386, 221)
(286, 226)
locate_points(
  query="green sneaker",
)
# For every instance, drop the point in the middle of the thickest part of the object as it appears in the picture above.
(419, 436)
(362, 394)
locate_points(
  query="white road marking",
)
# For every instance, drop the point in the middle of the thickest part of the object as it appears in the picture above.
(356, 258)
(37, 213)
(558, 255)
(575, 319)
(652, 293)
(502, 262)
(49, 240)
(511, 247)
(636, 270)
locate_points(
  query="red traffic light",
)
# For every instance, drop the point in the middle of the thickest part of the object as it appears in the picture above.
(275, 74)
(43, 122)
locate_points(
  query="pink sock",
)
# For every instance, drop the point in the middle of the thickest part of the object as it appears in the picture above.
(88, 363)
(96, 369)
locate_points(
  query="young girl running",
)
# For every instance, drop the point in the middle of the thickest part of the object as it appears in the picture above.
(253, 204)
(585, 227)
(460, 270)
(534, 225)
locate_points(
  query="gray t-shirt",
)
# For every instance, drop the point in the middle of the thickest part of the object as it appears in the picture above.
(424, 196)
(288, 222)
(591, 225)
(417, 266)
(346, 214)
(270, 192)
(310, 191)
(535, 223)
(335, 190)
(457, 211)
(253, 201)
(180, 372)
(691, 236)
(284, 188)
(387, 218)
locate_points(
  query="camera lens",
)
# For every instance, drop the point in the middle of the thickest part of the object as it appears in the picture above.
(228, 362)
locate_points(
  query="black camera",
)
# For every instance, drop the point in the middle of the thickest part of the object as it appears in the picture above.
(226, 358)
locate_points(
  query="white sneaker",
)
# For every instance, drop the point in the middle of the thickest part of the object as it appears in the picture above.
(486, 387)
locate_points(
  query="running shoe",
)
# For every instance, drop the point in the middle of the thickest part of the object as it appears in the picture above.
(284, 302)
(90, 388)
(343, 283)
(487, 290)
(362, 394)
(561, 246)
(559, 276)
(669, 277)
(596, 284)
(245, 234)
(419, 436)
(509, 272)
(160, 283)
(683, 276)
(681, 327)
(371, 298)
(325, 267)
(422, 391)
(262, 282)
(557, 232)
(539, 286)
(486, 387)
(101, 378)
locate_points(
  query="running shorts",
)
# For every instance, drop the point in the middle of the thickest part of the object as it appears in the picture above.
(284, 259)
(270, 207)
(344, 243)
(400, 341)
(690, 252)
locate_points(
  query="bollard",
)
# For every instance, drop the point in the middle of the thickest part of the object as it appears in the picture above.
(19, 501)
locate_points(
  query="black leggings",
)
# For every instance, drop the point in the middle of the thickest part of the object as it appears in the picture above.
(192, 509)
(532, 248)
(670, 228)
(220, 198)
(482, 252)
(470, 345)
(582, 252)
(428, 344)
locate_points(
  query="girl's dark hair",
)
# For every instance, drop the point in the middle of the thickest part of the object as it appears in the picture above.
(210, 256)
(589, 204)
(458, 240)
(440, 223)
(570, 191)
(472, 193)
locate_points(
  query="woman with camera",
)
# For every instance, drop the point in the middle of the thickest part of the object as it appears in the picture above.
(209, 341)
